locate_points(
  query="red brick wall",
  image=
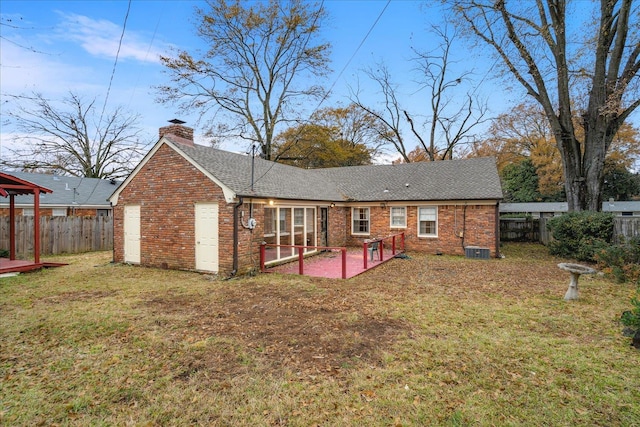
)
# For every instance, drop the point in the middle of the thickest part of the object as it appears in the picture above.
(477, 223)
(167, 189)
(337, 225)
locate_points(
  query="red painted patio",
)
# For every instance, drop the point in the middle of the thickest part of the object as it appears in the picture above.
(337, 262)
(329, 264)
(21, 266)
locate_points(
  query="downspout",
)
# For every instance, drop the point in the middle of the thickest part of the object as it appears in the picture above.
(497, 229)
(236, 207)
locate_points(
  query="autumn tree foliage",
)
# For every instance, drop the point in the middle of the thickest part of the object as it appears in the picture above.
(333, 137)
(558, 60)
(524, 134)
(264, 60)
(73, 137)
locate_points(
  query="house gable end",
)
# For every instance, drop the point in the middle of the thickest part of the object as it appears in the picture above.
(228, 193)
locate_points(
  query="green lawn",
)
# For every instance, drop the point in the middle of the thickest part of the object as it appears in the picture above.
(431, 340)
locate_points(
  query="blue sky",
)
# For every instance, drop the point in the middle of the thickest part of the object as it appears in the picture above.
(53, 47)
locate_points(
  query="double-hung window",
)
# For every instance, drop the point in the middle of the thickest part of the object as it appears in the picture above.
(398, 217)
(360, 220)
(427, 221)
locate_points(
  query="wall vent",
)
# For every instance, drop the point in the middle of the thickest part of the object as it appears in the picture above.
(476, 252)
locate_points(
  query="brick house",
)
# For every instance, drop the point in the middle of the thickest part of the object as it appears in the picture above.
(71, 196)
(197, 208)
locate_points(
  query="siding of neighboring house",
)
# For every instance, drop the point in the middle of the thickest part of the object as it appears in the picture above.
(50, 211)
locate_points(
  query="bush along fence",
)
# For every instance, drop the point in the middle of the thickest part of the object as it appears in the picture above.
(535, 230)
(58, 235)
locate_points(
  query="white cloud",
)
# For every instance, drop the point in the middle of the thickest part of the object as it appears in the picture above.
(100, 38)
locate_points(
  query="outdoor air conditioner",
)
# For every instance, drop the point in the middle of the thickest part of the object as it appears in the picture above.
(476, 252)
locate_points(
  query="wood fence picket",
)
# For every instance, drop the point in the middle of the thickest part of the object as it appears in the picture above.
(58, 235)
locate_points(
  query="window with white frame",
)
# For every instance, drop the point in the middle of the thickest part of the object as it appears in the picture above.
(59, 212)
(398, 217)
(360, 221)
(27, 211)
(285, 226)
(427, 221)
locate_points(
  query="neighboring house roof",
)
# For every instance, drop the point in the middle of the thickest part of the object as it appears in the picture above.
(548, 207)
(471, 179)
(559, 207)
(616, 206)
(89, 192)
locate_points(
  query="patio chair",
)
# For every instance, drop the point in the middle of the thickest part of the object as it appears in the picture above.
(373, 247)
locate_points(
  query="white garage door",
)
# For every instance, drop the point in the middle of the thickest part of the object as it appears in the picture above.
(132, 234)
(207, 237)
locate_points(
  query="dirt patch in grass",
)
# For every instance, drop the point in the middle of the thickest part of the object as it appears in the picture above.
(315, 326)
(430, 340)
(309, 331)
(84, 295)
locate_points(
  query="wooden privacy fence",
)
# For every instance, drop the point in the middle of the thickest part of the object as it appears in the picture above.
(626, 227)
(70, 234)
(535, 230)
(520, 230)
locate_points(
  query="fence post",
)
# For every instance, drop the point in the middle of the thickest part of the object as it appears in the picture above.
(262, 255)
(393, 245)
(381, 249)
(344, 263)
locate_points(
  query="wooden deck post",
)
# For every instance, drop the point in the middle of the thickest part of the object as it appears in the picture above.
(365, 255)
(12, 227)
(36, 225)
(301, 260)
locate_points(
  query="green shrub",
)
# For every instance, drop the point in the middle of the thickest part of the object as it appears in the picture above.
(580, 235)
(621, 260)
(631, 318)
(4, 253)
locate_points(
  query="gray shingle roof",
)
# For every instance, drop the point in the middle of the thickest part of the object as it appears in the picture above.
(89, 191)
(470, 179)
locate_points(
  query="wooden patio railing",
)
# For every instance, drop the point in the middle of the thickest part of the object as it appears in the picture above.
(264, 245)
(367, 246)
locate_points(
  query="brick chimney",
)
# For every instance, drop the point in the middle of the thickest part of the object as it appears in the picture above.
(177, 132)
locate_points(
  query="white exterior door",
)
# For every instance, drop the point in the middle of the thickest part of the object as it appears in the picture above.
(132, 234)
(207, 237)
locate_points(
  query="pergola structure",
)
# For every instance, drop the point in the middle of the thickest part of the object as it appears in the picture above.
(10, 186)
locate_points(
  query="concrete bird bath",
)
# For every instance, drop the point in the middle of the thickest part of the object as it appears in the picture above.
(576, 270)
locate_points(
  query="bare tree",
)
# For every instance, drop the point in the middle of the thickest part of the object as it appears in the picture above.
(530, 39)
(452, 119)
(252, 77)
(390, 117)
(449, 120)
(73, 138)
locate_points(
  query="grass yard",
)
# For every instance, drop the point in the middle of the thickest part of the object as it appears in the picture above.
(432, 340)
